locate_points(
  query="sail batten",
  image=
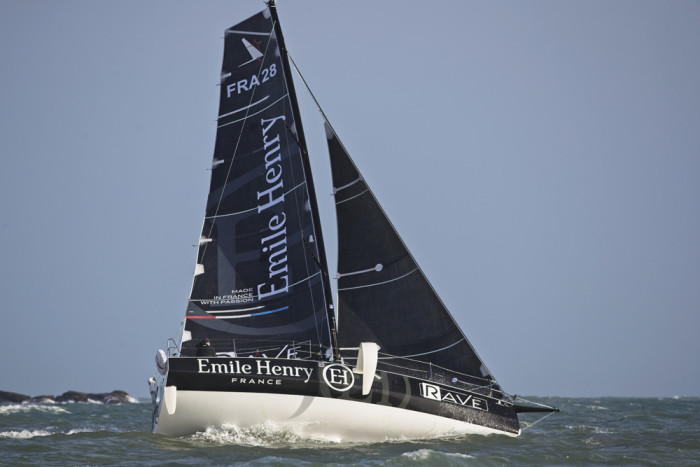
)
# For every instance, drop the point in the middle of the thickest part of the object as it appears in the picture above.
(373, 284)
(247, 107)
(244, 108)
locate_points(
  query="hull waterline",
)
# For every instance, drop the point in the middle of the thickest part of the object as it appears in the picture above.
(322, 418)
(321, 400)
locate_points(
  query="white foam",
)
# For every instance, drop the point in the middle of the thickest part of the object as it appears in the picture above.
(596, 407)
(24, 434)
(590, 428)
(267, 434)
(80, 430)
(25, 408)
(424, 455)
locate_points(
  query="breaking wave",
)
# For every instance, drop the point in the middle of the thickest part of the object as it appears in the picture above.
(24, 434)
(428, 455)
(25, 408)
(50, 431)
(280, 435)
(268, 434)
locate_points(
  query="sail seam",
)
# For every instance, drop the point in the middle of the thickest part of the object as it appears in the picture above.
(378, 283)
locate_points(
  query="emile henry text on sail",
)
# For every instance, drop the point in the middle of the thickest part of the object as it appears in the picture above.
(275, 244)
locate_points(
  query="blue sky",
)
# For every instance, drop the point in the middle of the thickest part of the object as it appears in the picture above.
(540, 159)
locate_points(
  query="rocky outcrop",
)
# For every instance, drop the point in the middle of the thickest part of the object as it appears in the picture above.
(114, 397)
(13, 397)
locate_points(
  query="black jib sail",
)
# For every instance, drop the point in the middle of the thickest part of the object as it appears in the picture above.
(260, 285)
(383, 296)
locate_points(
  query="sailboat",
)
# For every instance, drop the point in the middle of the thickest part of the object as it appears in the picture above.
(261, 341)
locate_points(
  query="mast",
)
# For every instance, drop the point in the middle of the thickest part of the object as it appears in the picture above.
(301, 140)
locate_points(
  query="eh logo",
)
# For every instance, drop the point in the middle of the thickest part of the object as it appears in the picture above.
(338, 377)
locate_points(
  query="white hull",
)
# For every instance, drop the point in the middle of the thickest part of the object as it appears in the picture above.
(317, 417)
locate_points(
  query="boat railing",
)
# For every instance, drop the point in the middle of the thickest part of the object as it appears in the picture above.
(254, 348)
(173, 348)
(400, 365)
(435, 373)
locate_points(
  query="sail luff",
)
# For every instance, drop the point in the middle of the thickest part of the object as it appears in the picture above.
(322, 261)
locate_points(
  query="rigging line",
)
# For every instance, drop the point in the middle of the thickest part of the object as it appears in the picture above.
(378, 283)
(296, 68)
(530, 425)
(301, 202)
(447, 370)
(540, 404)
(253, 114)
(329, 300)
(424, 353)
(313, 255)
(308, 278)
(336, 134)
(240, 136)
(294, 137)
(243, 108)
(304, 153)
(256, 207)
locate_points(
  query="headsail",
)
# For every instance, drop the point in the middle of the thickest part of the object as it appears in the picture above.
(260, 279)
(383, 296)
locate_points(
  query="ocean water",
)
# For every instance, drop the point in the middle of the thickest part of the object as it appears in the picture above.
(591, 431)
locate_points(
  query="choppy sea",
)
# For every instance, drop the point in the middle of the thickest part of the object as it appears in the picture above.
(588, 431)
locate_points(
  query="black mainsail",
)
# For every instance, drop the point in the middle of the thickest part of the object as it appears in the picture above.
(260, 280)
